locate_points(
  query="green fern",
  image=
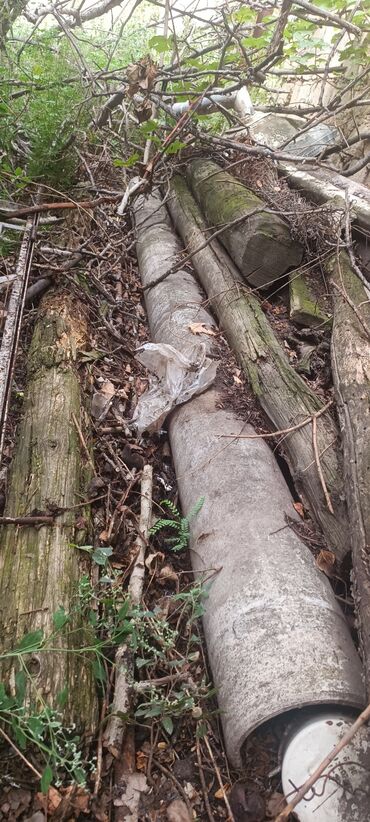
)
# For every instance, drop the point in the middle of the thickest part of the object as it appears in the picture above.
(179, 524)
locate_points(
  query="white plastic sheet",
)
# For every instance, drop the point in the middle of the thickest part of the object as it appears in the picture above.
(175, 379)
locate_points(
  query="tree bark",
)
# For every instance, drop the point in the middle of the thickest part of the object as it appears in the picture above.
(259, 242)
(351, 374)
(40, 567)
(282, 393)
(11, 9)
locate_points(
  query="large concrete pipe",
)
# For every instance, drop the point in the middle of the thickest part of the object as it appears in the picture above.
(276, 637)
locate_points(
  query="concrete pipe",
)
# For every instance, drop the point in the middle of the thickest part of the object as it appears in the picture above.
(276, 637)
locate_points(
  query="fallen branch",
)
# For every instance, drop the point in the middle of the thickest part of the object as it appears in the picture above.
(136, 583)
(122, 701)
(360, 721)
(318, 464)
(31, 520)
(220, 782)
(20, 754)
(282, 431)
(37, 209)
(128, 782)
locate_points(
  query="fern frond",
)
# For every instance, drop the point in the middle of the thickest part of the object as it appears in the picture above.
(162, 523)
(179, 524)
(167, 503)
(195, 509)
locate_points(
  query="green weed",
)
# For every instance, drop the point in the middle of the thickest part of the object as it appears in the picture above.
(177, 523)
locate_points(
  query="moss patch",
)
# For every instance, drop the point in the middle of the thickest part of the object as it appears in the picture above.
(304, 308)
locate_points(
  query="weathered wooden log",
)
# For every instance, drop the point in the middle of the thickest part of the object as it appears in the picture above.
(275, 635)
(350, 354)
(282, 393)
(259, 244)
(39, 566)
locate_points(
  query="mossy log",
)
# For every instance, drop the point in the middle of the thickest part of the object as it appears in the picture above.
(351, 374)
(39, 566)
(260, 244)
(282, 393)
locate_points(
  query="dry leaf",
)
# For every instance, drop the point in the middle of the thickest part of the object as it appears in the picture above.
(237, 380)
(299, 508)
(141, 761)
(275, 805)
(178, 812)
(190, 791)
(246, 804)
(202, 328)
(151, 557)
(220, 793)
(325, 561)
(167, 573)
(53, 799)
(81, 800)
(102, 400)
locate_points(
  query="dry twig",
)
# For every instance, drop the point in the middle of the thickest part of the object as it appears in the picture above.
(124, 663)
(318, 463)
(203, 784)
(220, 782)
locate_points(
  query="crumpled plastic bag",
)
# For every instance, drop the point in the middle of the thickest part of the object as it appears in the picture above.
(175, 379)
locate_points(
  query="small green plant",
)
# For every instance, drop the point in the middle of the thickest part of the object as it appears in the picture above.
(59, 747)
(177, 523)
(164, 646)
(99, 555)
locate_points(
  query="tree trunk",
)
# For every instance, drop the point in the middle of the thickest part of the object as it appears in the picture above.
(283, 394)
(351, 373)
(259, 244)
(40, 567)
(11, 9)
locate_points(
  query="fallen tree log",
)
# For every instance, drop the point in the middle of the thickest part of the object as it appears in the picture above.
(257, 240)
(275, 636)
(39, 566)
(350, 354)
(282, 393)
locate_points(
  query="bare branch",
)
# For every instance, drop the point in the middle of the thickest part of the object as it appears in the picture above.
(328, 15)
